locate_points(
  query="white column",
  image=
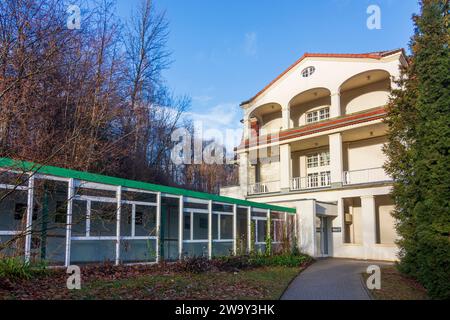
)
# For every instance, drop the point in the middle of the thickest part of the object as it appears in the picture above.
(285, 167)
(368, 223)
(209, 229)
(246, 123)
(29, 218)
(234, 229)
(286, 117)
(336, 159)
(243, 173)
(249, 229)
(158, 227)
(180, 227)
(118, 217)
(268, 225)
(335, 109)
(70, 195)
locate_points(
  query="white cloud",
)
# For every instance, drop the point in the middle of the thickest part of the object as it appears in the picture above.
(251, 44)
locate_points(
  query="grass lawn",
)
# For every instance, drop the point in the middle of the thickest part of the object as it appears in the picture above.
(395, 286)
(259, 283)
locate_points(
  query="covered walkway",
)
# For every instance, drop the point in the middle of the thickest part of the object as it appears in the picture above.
(66, 217)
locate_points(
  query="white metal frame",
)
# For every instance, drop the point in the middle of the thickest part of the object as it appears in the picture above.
(74, 184)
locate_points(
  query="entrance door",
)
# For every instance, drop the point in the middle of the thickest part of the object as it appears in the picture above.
(321, 236)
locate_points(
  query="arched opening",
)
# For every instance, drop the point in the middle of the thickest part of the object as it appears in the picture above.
(365, 91)
(267, 118)
(310, 106)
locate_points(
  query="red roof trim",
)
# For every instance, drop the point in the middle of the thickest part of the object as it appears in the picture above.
(344, 121)
(371, 55)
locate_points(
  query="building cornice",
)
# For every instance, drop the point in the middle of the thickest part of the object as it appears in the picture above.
(331, 124)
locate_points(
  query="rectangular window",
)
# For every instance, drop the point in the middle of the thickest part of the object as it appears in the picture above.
(318, 115)
(324, 113)
(313, 180)
(313, 161)
(325, 178)
(325, 159)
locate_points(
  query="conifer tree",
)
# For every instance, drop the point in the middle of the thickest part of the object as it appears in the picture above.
(418, 152)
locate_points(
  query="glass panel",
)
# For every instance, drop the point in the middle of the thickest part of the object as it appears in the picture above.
(262, 230)
(138, 250)
(200, 226)
(13, 206)
(103, 219)
(145, 221)
(221, 249)
(126, 220)
(226, 227)
(241, 231)
(48, 240)
(92, 251)
(11, 246)
(195, 249)
(215, 233)
(186, 226)
(79, 210)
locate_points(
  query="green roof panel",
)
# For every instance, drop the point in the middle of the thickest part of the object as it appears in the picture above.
(98, 178)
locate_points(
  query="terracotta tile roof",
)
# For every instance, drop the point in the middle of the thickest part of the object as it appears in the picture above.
(371, 55)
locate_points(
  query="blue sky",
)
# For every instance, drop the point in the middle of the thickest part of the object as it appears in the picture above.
(225, 51)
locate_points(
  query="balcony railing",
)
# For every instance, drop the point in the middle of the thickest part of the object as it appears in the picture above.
(365, 176)
(264, 187)
(316, 181)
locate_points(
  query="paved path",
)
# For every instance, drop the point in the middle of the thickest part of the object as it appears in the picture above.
(330, 279)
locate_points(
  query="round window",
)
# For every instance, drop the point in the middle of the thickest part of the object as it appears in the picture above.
(308, 71)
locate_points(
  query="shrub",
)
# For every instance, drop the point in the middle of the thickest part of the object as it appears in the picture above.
(15, 268)
(284, 260)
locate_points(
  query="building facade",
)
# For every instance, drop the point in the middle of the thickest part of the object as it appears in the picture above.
(313, 140)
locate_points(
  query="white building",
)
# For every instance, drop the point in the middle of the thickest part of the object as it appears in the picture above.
(313, 140)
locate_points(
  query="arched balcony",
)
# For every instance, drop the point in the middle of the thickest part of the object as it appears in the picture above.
(310, 106)
(266, 119)
(365, 91)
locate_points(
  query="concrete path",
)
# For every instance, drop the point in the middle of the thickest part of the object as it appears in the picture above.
(330, 279)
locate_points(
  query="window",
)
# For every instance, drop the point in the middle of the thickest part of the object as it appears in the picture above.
(325, 159)
(308, 71)
(324, 113)
(313, 180)
(318, 115)
(313, 161)
(325, 178)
